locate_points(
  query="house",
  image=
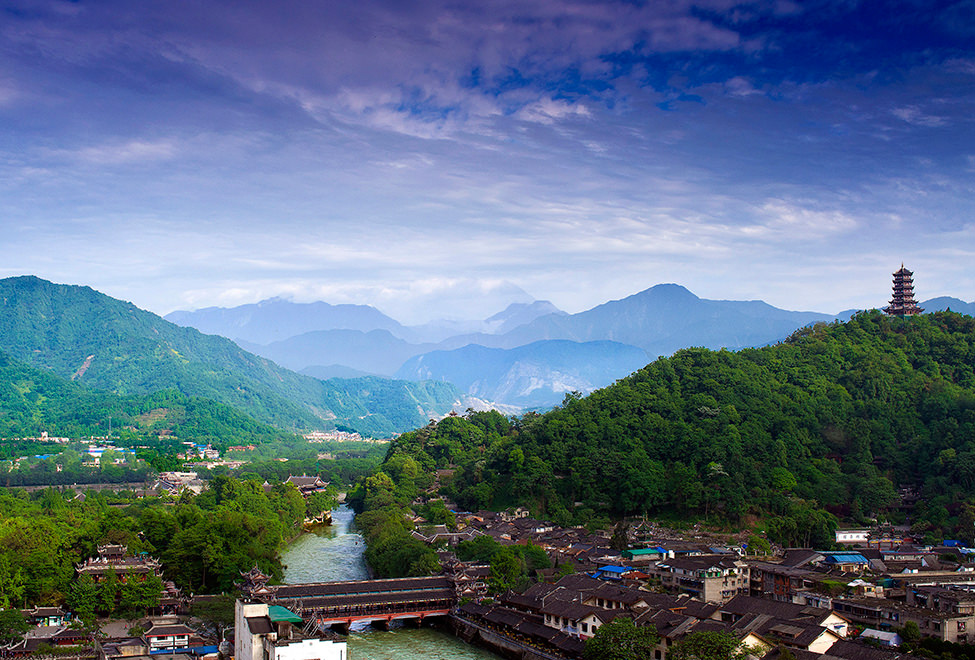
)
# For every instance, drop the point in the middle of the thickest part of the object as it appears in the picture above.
(574, 618)
(525, 626)
(885, 637)
(171, 636)
(268, 632)
(307, 485)
(943, 599)
(45, 616)
(646, 554)
(436, 534)
(710, 578)
(674, 626)
(884, 614)
(41, 636)
(777, 581)
(115, 559)
(175, 483)
(610, 572)
(743, 606)
(579, 604)
(123, 648)
(846, 562)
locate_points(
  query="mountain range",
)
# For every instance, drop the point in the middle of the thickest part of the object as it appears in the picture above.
(111, 345)
(508, 357)
(592, 348)
(361, 369)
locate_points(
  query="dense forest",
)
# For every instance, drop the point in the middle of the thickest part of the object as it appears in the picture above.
(828, 424)
(203, 541)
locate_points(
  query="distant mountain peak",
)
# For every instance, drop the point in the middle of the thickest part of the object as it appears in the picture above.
(668, 290)
(536, 307)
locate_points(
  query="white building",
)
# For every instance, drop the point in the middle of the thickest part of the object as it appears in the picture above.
(852, 536)
(264, 632)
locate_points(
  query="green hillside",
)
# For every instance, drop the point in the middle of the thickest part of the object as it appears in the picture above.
(33, 401)
(827, 424)
(111, 345)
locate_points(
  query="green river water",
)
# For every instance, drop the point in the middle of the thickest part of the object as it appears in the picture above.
(335, 553)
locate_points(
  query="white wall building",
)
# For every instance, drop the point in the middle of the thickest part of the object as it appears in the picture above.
(852, 535)
(265, 632)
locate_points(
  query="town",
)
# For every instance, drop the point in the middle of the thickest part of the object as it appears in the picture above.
(877, 592)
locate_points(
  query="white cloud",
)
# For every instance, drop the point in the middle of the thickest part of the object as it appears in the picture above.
(912, 114)
(121, 153)
(550, 111)
(784, 220)
(739, 86)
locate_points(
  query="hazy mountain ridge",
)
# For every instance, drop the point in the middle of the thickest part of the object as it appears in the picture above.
(376, 351)
(536, 375)
(277, 319)
(945, 303)
(667, 317)
(657, 321)
(131, 351)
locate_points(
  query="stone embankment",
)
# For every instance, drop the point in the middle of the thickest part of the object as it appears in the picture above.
(496, 641)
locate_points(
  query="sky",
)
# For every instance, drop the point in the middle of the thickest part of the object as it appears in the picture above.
(444, 158)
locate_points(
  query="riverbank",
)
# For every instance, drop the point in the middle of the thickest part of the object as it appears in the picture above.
(335, 553)
(328, 553)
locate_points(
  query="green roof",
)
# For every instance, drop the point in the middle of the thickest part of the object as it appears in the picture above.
(278, 613)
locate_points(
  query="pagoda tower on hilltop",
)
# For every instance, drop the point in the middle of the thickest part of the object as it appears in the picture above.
(903, 303)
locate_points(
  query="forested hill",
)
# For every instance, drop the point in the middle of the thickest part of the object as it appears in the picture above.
(111, 345)
(831, 421)
(33, 401)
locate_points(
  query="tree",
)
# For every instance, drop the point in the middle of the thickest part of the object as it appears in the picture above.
(506, 567)
(758, 545)
(83, 597)
(710, 645)
(621, 639)
(12, 625)
(217, 613)
(620, 541)
(911, 632)
(108, 591)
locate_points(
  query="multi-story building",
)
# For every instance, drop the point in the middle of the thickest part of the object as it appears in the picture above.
(715, 579)
(885, 614)
(268, 632)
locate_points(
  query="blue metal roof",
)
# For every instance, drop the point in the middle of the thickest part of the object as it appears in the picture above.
(846, 558)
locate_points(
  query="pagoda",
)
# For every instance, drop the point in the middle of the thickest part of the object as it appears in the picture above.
(903, 303)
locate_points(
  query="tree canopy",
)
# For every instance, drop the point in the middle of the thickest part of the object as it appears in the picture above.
(828, 424)
(621, 639)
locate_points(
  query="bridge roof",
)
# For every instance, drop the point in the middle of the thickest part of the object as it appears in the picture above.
(394, 585)
(387, 598)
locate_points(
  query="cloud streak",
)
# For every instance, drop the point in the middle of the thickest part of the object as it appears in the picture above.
(399, 151)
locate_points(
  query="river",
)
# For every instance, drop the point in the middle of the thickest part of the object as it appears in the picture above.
(335, 552)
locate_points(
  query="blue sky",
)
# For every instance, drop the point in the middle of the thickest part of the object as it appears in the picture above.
(444, 158)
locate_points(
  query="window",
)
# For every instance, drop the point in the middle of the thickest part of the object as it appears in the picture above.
(585, 627)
